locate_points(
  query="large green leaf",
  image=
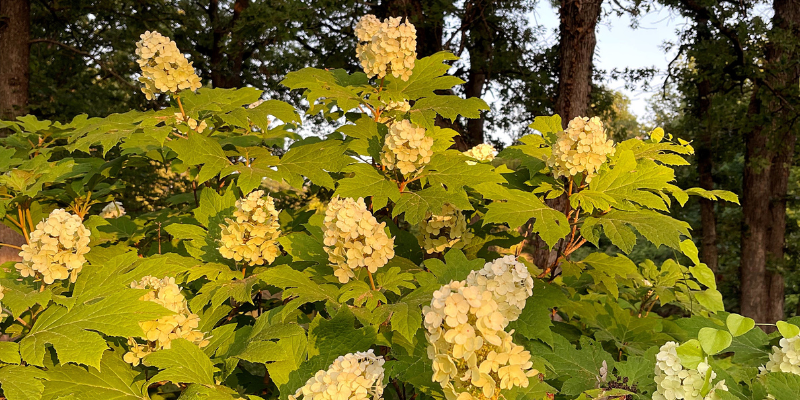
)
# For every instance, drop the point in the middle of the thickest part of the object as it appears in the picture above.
(113, 380)
(367, 181)
(416, 205)
(183, 362)
(313, 159)
(21, 383)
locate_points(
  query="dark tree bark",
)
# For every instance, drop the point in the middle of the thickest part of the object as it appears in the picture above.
(705, 164)
(15, 17)
(770, 150)
(576, 50)
(480, 38)
(226, 61)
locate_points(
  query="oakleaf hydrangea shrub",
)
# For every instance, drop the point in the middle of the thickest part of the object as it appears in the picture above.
(380, 261)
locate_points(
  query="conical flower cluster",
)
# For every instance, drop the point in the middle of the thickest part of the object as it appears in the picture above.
(113, 210)
(785, 358)
(473, 356)
(388, 46)
(354, 376)
(354, 238)
(508, 280)
(407, 148)
(160, 333)
(481, 152)
(448, 229)
(674, 381)
(57, 248)
(252, 237)
(164, 68)
(582, 148)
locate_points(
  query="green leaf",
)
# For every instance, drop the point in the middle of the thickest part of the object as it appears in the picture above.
(752, 347)
(547, 126)
(200, 149)
(713, 340)
(691, 353)
(114, 380)
(216, 392)
(535, 320)
(406, 319)
(393, 280)
(579, 367)
(704, 275)
(213, 207)
(368, 182)
(279, 109)
(367, 136)
(282, 347)
(21, 383)
(416, 205)
(516, 207)
(739, 325)
(183, 362)
(783, 385)
(303, 247)
(298, 288)
(450, 169)
(449, 107)
(606, 269)
(9, 352)
(425, 79)
(618, 226)
(73, 333)
(313, 159)
(788, 330)
(332, 86)
(456, 266)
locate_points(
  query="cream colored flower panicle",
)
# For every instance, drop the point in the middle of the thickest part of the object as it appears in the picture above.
(508, 280)
(354, 238)
(481, 152)
(386, 47)
(252, 237)
(473, 356)
(448, 229)
(57, 248)
(582, 148)
(674, 381)
(113, 210)
(785, 358)
(164, 67)
(354, 376)
(159, 333)
(407, 148)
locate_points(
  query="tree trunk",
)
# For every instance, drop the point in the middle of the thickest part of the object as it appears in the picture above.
(770, 151)
(15, 17)
(576, 50)
(480, 39)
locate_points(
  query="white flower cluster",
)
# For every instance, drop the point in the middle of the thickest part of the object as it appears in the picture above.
(402, 106)
(447, 229)
(113, 210)
(354, 238)
(473, 356)
(673, 381)
(508, 280)
(481, 152)
(582, 148)
(160, 333)
(354, 376)
(57, 248)
(198, 127)
(252, 237)
(407, 148)
(785, 358)
(164, 68)
(388, 46)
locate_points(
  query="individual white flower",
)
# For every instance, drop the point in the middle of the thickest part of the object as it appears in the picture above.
(164, 67)
(582, 148)
(354, 238)
(192, 123)
(448, 229)
(353, 376)
(406, 148)
(473, 356)
(388, 46)
(159, 333)
(252, 237)
(57, 248)
(481, 152)
(113, 210)
(508, 280)
(674, 381)
(785, 358)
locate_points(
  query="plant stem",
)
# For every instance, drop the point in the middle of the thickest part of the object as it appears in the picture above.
(22, 225)
(11, 245)
(371, 282)
(183, 113)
